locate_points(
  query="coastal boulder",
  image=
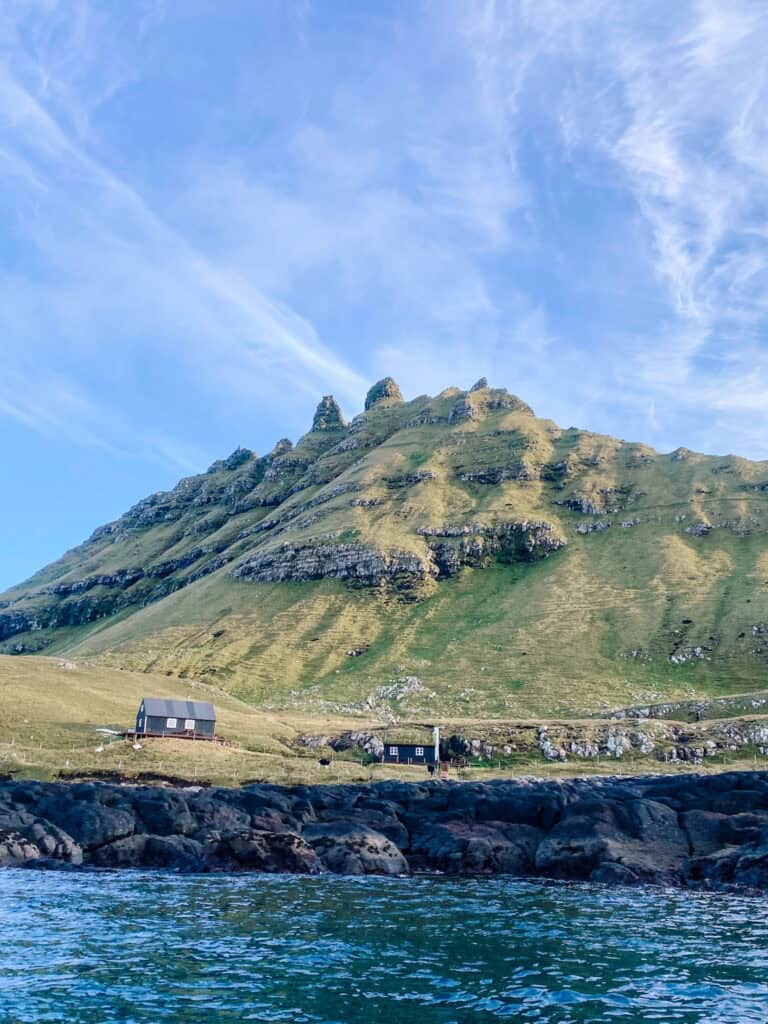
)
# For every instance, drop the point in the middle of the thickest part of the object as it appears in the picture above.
(178, 852)
(127, 852)
(50, 841)
(15, 849)
(163, 813)
(641, 835)
(90, 824)
(350, 848)
(704, 830)
(213, 813)
(261, 850)
(751, 867)
(459, 848)
(382, 818)
(53, 843)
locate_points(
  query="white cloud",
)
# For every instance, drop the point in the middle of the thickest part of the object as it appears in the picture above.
(565, 195)
(113, 268)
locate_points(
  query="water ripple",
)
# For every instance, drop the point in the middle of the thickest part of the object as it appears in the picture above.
(152, 948)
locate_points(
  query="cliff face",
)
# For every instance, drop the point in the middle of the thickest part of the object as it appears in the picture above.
(510, 564)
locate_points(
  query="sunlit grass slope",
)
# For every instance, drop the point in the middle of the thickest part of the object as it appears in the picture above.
(54, 715)
(51, 711)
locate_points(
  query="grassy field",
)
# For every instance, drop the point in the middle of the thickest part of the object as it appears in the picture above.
(51, 711)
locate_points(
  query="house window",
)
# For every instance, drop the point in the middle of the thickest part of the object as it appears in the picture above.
(170, 723)
(393, 751)
(419, 751)
(189, 723)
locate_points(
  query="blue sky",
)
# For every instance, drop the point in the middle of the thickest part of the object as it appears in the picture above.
(213, 213)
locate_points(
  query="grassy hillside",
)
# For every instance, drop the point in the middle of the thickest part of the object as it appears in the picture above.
(53, 713)
(452, 555)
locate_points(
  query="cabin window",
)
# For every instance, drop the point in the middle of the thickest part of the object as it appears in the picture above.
(189, 723)
(393, 751)
(419, 751)
(170, 723)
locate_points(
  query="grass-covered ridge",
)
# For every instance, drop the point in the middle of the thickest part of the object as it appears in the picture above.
(453, 554)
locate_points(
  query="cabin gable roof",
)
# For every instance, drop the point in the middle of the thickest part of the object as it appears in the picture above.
(160, 707)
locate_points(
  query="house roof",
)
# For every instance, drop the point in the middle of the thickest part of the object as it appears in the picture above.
(159, 707)
(409, 736)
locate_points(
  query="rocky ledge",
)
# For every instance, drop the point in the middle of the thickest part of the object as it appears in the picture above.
(695, 831)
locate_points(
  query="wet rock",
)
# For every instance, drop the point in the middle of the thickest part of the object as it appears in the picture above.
(613, 873)
(163, 813)
(642, 835)
(211, 814)
(348, 848)
(751, 868)
(90, 824)
(122, 853)
(53, 843)
(685, 830)
(260, 850)
(739, 829)
(15, 849)
(461, 848)
(704, 830)
(178, 852)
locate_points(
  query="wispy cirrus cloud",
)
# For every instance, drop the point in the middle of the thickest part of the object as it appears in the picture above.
(567, 196)
(659, 116)
(121, 281)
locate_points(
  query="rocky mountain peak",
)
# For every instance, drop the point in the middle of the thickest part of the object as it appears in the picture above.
(385, 391)
(479, 385)
(238, 457)
(328, 415)
(283, 445)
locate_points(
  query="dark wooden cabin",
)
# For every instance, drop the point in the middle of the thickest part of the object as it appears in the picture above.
(188, 718)
(408, 753)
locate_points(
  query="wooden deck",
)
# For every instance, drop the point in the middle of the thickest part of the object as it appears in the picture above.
(131, 734)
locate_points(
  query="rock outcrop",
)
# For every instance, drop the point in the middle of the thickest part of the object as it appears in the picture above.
(384, 393)
(694, 831)
(353, 562)
(328, 415)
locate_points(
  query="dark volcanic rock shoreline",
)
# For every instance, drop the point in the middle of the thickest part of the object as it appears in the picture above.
(689, 830)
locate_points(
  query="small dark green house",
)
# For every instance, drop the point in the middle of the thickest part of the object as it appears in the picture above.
(411, 745)
(190, 719)
(408, 753)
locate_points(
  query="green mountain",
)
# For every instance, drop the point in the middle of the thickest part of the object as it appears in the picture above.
(454, 553)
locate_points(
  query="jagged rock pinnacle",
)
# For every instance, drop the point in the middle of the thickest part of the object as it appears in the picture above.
(238, 457)
(328, 415)
(480, 385)
(385, 390)
(283, 445)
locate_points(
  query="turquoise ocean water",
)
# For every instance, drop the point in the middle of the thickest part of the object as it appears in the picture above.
(139, 947)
